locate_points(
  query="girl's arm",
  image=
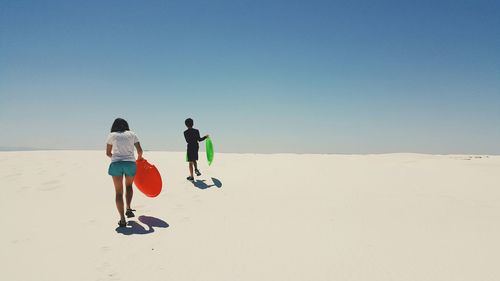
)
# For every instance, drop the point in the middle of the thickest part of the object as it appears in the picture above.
(139, 150)
(109, 148)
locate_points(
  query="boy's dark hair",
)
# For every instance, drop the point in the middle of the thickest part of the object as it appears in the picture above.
(189, 122)
(120, 125)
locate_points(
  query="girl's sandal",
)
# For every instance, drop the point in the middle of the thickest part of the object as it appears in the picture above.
(129, 213)
(122, 223)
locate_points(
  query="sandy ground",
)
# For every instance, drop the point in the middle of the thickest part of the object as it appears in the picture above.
(254, 217)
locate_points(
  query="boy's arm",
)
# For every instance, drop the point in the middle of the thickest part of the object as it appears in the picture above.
(201, 138)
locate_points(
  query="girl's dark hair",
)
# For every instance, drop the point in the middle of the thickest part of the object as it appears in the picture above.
(189, 122)
(120, 125)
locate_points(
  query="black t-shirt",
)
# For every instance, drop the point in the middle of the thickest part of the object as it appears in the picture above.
(192, 136)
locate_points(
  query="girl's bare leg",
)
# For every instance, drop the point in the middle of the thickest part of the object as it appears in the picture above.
(129, 191)
(118, 182)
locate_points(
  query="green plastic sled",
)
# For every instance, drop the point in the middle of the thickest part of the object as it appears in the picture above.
(210, 151)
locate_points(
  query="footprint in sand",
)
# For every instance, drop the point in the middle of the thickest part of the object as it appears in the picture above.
(104, 268)
(24, 188)
(18, 241)
(14, 175)
(50, 182)
(50, 185)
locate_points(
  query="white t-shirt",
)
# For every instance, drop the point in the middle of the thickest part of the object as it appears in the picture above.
(123, 145)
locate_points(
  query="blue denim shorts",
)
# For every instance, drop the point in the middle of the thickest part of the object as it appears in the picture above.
(120, 168)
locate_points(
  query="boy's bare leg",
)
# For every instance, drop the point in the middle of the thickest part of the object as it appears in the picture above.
(196, 169)
(191, 168)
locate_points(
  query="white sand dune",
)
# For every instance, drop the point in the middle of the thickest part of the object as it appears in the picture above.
(254, 217)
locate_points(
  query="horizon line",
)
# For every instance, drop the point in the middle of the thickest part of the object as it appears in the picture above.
(27, 149)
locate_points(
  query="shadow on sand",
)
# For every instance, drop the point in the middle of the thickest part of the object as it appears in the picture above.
(202, 185)
(134, 227)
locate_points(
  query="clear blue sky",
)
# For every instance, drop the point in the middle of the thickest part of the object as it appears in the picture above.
(259, 76)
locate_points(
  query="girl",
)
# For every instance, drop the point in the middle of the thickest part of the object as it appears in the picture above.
(120, 148)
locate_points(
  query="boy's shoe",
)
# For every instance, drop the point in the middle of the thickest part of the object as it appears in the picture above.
(129, 213)
(197, 172)
(190, 178)
(122, 223)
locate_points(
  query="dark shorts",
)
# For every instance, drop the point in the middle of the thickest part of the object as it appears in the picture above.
(120, 168)
(192, 152)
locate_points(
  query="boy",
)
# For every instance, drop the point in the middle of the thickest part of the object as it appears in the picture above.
(192, 137)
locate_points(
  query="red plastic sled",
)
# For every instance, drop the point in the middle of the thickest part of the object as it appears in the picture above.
(147, 178)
